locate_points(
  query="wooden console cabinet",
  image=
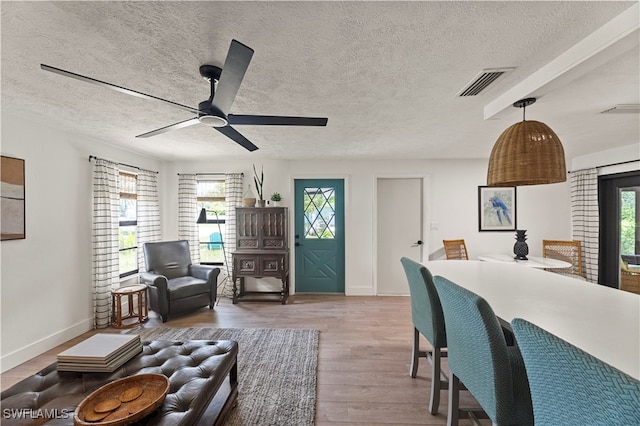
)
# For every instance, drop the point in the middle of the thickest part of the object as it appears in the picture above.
(261, 250)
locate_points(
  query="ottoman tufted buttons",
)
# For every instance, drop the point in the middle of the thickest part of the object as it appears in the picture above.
(194, 381)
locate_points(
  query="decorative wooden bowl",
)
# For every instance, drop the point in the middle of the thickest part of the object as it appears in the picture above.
(122, 401)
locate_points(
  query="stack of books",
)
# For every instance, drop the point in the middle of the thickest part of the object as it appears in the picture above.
(101, 352)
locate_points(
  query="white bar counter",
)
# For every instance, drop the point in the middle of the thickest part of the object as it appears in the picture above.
(602, 321)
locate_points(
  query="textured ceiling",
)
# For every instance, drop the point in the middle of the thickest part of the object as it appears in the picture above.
(386, 74)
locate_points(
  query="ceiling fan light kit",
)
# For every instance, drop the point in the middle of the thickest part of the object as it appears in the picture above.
(527, 153)
(213, 116)
(213, 121)
(213, 112)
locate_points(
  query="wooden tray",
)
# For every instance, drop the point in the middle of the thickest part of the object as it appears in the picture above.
(122, 401)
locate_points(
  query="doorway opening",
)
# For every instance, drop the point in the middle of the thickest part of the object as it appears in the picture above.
(619, 208)
(400, 219)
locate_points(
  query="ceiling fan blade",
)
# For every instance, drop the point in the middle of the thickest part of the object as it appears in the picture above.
(180, 125)
(233, 134)
(114, 87)
(275, 120)
(235, 66)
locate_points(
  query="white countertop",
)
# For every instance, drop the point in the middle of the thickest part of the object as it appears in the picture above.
(602, 321)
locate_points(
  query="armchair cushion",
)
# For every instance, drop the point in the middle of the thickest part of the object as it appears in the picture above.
(182, 287)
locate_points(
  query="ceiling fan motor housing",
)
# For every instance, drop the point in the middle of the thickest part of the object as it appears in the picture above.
(211, 116)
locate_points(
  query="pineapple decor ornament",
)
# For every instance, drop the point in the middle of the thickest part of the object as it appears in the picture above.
(520, 248)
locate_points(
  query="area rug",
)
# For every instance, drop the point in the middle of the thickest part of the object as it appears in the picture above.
(276, 371)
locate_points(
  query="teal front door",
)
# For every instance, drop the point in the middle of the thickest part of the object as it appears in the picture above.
(319, 235)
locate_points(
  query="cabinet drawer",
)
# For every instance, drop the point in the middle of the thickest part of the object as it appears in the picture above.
(246, 265)
(260, 265)
(271, 265)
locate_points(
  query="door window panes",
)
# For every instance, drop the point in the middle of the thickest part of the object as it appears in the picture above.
(319, 213)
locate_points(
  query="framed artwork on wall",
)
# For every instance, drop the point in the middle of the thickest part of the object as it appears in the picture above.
(12, 198)
(496, 208)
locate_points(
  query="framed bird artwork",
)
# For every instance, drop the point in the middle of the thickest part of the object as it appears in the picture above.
(496, 208)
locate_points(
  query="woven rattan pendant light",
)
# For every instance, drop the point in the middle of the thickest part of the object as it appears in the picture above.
(527, 153)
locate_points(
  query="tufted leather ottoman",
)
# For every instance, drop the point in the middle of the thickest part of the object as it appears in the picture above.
(196, 369)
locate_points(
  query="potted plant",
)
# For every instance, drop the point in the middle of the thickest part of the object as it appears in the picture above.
(275, 199)
(259, 181)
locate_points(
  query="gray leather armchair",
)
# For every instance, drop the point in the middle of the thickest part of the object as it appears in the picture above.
(174, 285)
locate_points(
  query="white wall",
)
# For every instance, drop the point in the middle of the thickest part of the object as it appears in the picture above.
(610, 161)
(45, 286)
(45, 281)
(543, 210)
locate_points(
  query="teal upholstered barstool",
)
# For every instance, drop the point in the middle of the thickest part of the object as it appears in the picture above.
(479, 357)
(426, 314)
(572, 387)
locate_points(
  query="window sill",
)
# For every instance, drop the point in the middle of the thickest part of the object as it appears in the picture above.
(128, 280)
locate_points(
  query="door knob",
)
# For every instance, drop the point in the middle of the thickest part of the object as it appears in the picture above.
(417, 243)
(298, 244)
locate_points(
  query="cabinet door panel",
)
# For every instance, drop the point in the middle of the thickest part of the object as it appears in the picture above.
(247, 243)
(273, 243)
(247, 228)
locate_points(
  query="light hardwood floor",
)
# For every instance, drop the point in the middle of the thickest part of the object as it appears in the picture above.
(364, 357)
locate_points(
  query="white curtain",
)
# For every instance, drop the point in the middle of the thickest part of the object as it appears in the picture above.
(585, 218)
(233, 184)
(106, 202)
(188, 214)
(148, 214)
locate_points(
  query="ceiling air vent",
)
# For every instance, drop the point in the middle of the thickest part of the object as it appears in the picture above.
(484, 79)
(622, 109)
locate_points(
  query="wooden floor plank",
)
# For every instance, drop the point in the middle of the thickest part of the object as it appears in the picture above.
(363, 360)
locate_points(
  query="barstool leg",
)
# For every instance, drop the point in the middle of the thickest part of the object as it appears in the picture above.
(436, 380)
(454, 400)
(415, 353)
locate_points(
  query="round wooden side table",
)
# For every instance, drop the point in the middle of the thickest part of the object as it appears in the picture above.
(139, 315)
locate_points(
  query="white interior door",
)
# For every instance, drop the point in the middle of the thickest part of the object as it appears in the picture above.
(399, 231)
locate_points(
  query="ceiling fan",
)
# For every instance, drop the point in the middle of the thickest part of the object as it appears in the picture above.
(213, 112)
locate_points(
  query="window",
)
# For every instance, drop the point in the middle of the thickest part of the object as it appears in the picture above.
(210, 195)
(128, 223)
(319, 213)
(629, 220)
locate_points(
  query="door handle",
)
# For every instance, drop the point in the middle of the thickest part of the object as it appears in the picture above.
(298, 244)
(417, 243)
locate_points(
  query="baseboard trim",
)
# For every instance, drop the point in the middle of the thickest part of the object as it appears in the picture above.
(359, 291)
(38, 347)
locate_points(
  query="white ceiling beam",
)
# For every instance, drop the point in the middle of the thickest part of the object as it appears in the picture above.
(617, 36)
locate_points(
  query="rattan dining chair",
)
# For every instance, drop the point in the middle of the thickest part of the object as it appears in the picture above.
(479, 358)
(455, 249)
(569, 251)
(570, 386)
(629, 279)
(428, 320)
